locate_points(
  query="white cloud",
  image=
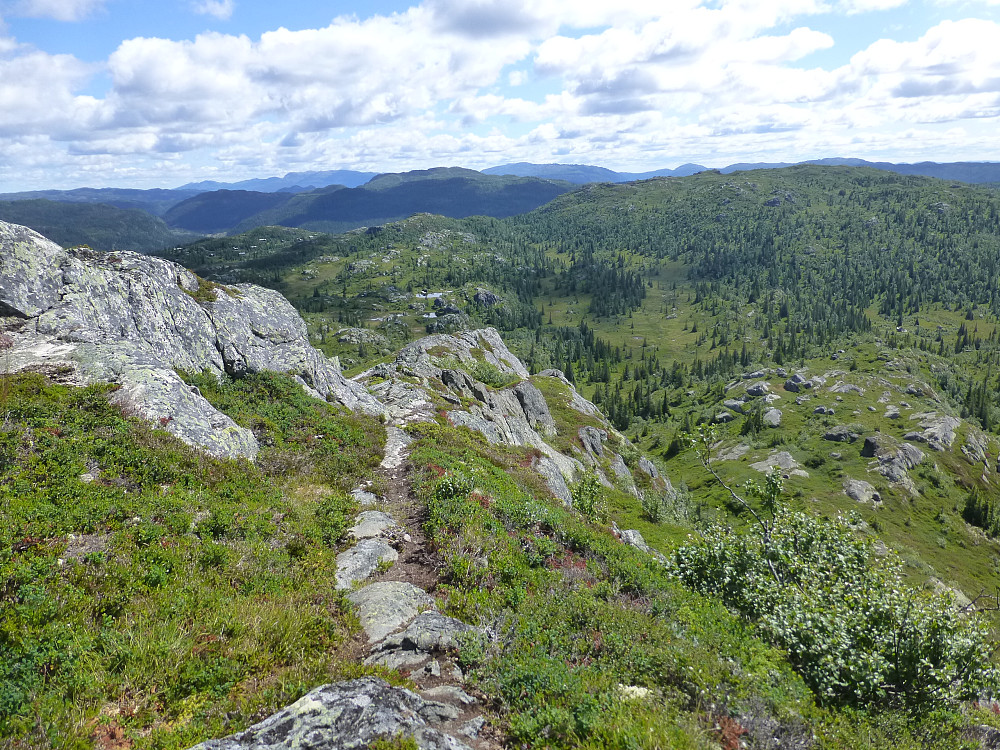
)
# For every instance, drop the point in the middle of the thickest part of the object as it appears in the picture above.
(60, 10)
(221, 9)
(625, 84)
(854, 7)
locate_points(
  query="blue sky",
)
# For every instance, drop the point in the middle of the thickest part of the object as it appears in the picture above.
(136, 93)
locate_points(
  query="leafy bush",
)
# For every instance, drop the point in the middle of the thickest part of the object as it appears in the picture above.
(333, 516)
(674, 504)
(857, 634)
(588, 497)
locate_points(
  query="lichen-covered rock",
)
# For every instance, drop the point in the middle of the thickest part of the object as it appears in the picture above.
(133, 320)
(31, 269)
(536, 410)
(592, 440)
(798, 382)
(782, 460)
(347, 715)
(840, 434)
(362, 560)
(370, 524)
(734, 404)
(648, 468)
(430, 631)
(939, 430)
(976, 447)
(760, 388)
(772, 417)
(423, 358)
(387, 606)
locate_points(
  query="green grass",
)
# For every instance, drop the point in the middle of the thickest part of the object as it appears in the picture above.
(149, 590)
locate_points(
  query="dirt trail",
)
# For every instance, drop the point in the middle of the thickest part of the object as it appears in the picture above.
(421, 646)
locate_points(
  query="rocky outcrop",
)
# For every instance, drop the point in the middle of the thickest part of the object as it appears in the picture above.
(939, 430)
(861, 491)
(782, 461)
(840, 434)
(133, 320)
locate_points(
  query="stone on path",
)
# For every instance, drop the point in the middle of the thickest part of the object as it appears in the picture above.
(372, 523)
(387, 606)
(364, 497)
(348, 716)
(362, 560)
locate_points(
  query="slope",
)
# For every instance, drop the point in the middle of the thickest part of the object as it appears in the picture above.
(103, 227)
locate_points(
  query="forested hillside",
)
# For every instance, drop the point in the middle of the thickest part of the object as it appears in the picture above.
(655, 297)
(103, 227)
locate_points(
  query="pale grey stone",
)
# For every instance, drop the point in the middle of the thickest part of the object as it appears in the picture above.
(840, 434)
(450, 694)
(372, 523)
(429, 631)
(386, 606)
(133, 320)
(554, 478)
(648, 468)
(347, 716)
(861, 491)
(364, 497)
(593, 440)
(734, 405)
(362, 560)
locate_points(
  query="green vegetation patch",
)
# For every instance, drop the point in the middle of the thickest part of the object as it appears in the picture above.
(154, 594)
(297, 432)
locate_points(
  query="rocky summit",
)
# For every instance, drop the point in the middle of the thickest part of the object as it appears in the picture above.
(134, 320)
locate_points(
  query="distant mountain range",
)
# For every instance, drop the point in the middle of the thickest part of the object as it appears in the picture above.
(581, 174)
(101, 226)
(293, 182)
(339, 200)
(447, 191)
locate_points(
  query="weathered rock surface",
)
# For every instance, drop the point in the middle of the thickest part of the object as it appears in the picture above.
(517, 415)
(798, 382)
(772, 417)
(347, 716)
(840, 434)
(386, 606)
(132, 320)
(372, 523)
(734, 404)
(362, 560)
(592, 440)
(861, 491)
(939, 430)
(782, 460)
(430, 631)
(760, 388)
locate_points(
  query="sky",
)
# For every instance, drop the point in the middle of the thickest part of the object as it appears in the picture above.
(144, 93)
